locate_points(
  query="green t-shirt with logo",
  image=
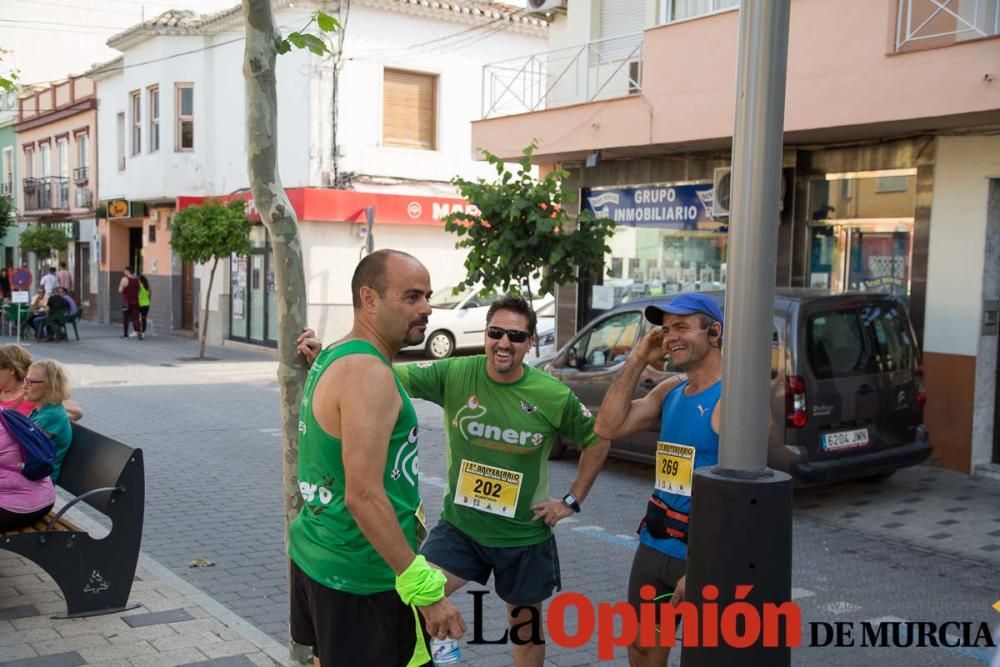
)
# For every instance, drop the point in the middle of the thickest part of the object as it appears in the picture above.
(498, 442)
(324, 540)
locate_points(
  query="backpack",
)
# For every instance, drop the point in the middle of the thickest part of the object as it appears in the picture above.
(38, 449)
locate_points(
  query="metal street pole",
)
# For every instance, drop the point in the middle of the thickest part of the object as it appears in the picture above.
(741, 514)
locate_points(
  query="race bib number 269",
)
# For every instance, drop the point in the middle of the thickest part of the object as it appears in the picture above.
(674, 468)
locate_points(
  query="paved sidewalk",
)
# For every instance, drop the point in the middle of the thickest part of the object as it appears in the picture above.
(175, 624)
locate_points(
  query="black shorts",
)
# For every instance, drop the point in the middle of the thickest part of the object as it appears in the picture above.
(351, 630)
(524, 575)
(656, 569)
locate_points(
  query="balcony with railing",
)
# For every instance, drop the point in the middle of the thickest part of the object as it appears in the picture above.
(49, 193)
(599, 70)
(6, 189)
(923, 24)
(673, 86)
(80, 178)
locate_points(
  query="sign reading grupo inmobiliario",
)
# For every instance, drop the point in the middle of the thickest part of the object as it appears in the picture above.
(684, 207)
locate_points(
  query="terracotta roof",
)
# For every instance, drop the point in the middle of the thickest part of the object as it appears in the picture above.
(187, 22)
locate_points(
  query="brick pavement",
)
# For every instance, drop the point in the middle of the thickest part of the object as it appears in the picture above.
(210, 435)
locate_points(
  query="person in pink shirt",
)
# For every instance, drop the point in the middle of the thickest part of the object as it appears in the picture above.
(22, 501)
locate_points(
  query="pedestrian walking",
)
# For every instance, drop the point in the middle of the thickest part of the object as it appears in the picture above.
(128, 287)
(65, 278)
(143, 300)
(687, 408)
(354, 568)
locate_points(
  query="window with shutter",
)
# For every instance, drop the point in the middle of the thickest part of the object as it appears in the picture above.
(409, 109)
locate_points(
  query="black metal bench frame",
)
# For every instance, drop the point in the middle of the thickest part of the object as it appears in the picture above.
(94, 575)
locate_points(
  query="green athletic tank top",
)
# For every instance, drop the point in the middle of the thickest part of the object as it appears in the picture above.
(323, 540)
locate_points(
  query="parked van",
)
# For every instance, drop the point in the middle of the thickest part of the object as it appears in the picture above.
(846, 388)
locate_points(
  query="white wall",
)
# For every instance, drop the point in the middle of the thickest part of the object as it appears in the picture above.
(217, 165)
(332, 250)
(957, 242)
(376, 40)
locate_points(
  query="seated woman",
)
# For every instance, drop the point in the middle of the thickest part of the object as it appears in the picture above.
(14, 364)
(22, 501)
(47, 386)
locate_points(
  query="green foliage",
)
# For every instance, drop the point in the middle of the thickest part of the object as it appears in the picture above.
(211, 231)
(300, 39)
(522, 231)
(7, 219)
(8, 81)
(42, 240)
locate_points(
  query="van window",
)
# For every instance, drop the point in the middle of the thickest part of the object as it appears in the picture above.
(611, 340)
(894, 347)
(836, 344)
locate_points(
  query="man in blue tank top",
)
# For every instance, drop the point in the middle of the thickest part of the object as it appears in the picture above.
(688, 409)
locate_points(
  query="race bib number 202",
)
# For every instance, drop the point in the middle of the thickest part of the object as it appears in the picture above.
(488, 488)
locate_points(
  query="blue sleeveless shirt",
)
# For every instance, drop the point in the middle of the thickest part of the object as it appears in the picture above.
(686, 420)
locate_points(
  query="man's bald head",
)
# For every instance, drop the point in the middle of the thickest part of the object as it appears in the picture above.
(372, 271)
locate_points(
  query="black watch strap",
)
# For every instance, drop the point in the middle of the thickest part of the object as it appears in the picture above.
(570, 501)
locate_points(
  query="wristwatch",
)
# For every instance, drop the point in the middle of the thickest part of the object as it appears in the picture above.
(570, 501)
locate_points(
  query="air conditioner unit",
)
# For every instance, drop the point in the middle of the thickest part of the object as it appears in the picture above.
(721, 180)
(721, 185)
(543, 6)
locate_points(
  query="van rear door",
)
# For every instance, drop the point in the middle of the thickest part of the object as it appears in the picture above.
(896, 360)
(841, 380)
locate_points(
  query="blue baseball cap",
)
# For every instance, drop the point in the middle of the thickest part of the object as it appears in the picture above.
(691, 303)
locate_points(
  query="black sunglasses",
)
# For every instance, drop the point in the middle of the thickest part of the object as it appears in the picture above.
(513, 335)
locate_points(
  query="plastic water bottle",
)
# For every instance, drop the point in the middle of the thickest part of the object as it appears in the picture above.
(445, 651)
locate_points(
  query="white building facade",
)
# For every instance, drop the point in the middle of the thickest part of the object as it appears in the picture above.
(172, 126)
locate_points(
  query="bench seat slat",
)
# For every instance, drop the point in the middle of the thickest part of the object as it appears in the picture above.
(39, 526)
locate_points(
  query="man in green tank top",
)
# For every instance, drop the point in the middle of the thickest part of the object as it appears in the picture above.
(356, 579)
(502, 419)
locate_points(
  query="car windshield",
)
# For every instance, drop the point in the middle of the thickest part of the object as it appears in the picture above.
(448, 298)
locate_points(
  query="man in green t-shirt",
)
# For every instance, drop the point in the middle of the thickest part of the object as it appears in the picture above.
(502, 419)
(355, 577)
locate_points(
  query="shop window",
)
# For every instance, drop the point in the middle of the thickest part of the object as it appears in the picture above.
(892, 184)
(409, 109)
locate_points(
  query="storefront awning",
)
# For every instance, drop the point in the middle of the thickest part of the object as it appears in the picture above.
(327, 205)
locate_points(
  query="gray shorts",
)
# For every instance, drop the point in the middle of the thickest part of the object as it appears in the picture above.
(656, 569)
(524, 575)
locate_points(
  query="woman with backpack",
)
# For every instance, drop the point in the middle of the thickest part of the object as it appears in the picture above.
(22, 501)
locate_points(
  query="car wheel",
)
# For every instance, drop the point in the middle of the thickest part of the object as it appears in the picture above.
(559, 448)
(440, 345)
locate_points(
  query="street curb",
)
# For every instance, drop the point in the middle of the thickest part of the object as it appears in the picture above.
(236, 623)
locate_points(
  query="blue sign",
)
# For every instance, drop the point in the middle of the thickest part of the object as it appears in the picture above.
(685, 207)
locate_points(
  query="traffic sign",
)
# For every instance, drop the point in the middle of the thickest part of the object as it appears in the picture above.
(21, 278)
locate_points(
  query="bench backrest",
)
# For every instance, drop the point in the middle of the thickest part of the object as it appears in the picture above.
(95, 461)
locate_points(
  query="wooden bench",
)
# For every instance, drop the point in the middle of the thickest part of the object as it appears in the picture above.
(94, 575)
